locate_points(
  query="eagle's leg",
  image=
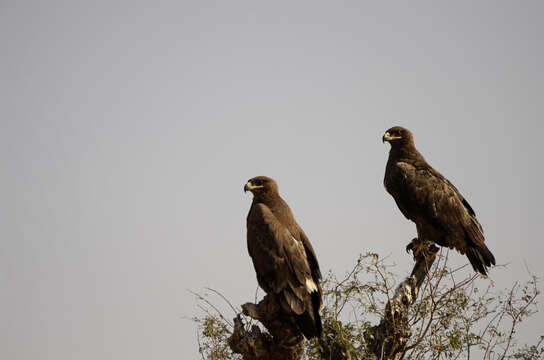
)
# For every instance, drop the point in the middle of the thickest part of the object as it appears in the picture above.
(418, 248)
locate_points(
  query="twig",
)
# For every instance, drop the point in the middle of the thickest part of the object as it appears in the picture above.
(224, 298)
(201, 298)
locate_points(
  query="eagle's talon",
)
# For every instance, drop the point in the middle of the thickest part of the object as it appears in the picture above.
(410, 246)
(417, 247)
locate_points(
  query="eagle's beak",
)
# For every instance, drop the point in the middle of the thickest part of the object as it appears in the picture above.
(249, 186)
(388, 137)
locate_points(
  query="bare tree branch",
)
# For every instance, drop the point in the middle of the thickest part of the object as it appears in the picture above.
(283, 341)
(389, 339)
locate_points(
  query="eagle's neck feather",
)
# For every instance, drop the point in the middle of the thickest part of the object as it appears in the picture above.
(269, 199)
(407, 152)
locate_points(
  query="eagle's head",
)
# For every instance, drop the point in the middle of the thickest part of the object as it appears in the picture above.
(261, 185)
(398, 136)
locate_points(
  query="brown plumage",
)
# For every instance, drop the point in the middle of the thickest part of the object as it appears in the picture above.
(282, 255)
(442, 215)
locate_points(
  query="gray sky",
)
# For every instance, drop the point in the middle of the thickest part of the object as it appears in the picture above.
(129, 128)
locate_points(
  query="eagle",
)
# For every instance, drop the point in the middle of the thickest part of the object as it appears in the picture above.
(283, 257)
(441, 214)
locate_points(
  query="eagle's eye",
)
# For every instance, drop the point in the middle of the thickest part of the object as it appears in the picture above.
(258, 182)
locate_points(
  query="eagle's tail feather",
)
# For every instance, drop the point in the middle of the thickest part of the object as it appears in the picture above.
(310, 321)
(316, 301)
(306, 325)
(480, 258)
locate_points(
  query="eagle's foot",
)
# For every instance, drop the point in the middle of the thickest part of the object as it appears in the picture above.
(418, 248)
(250, 310)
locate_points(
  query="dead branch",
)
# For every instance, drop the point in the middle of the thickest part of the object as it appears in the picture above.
(283, 341)
(389, 339)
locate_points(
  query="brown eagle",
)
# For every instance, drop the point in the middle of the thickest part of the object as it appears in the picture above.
(283, 257)
(442, 215)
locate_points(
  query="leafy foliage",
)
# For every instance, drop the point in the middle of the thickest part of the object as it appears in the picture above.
(452, 318)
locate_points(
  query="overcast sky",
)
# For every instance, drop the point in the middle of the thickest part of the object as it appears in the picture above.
(128, 130)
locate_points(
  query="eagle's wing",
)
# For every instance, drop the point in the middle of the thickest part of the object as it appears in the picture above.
(310, 254)
(279, 259)
(424, 192)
